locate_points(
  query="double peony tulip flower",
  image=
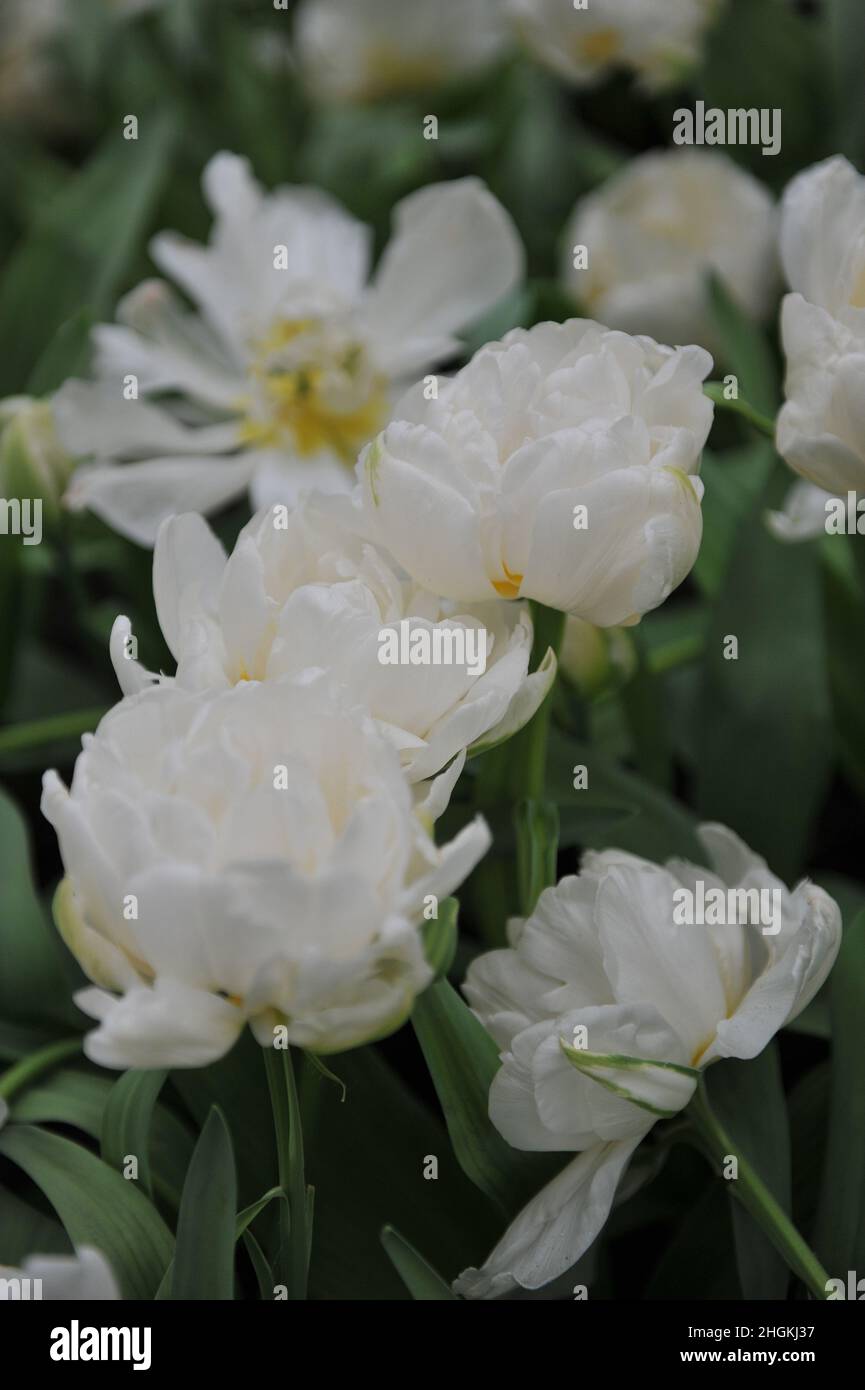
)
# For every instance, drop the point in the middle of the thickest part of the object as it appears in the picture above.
(300, 592)
(367, 50)
(654, 231)
(249, 855)
(821, 427)
(560, 465)
(583, 43)
(607, 1011)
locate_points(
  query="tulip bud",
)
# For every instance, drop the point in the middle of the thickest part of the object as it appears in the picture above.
(32, 462)
(596, 659)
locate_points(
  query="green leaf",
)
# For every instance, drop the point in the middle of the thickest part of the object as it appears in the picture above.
(809, 1125)
(734, 480)
(463, 1059)
(25, 1231)
(847, 49)
(761, 54)
(81, 244)
(127, 1121)
(204, 1257)
(659, 827)
(439, 936)
(698, 1262)
(845, 619)
(745, 349)
(67, 354)
(244, 1220)
(748, 1099)
(840, 1239)
(10, 626)
(66, 1097)
(419, 1277)
(237, 1084)
(646, 712)
(246, 1217)
(537, 832)
(96, 1206)
(17, 1041)
(33, 984)
(764, 721)
(261, 1266)
(363, 1183)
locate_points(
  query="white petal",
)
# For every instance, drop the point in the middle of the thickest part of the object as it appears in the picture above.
(803, 516)
(188, 565)
(135, 498)
(131, 675)
(454, 252)
(557, 1226)
(168, 1025)
(92, 418)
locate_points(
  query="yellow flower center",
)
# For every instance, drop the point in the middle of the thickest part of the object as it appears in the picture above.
(312, 389)
(599, 47)
(389, 71)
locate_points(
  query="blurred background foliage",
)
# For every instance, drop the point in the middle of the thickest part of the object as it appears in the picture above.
(772, 744)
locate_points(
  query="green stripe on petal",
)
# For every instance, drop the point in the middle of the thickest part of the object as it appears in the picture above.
(661, 1089)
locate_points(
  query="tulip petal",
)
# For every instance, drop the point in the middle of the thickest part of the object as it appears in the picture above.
(557, 1226)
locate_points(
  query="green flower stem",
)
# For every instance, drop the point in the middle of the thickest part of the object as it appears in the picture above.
(532, 766)
(38, 731)
(755, 1196)
(670, 657)
(294, 1225)
(30, 1068)
(715, 391)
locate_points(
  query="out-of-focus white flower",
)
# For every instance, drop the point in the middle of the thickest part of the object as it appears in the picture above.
(32, 33)
(250, 856)
(654, 231)
(607, 1009)
(658, 41)
(361, 50)
(560, 464)
(821, 426)
(301, 593)
(803, 516)
(84, 1277)
(287, 367)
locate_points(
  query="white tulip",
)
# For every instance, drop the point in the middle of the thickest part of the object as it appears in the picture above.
(821, 426)
(84, 1277)
(560, 465)
(607, 1010)
(361, 50)
(32, 33)
(250, 856)
(301, 593)
(658, 41)
(286, 367)
(653, 232)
